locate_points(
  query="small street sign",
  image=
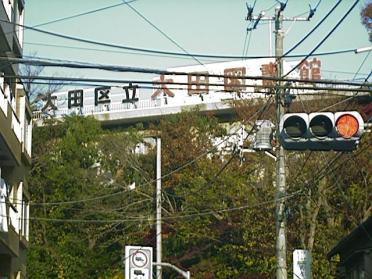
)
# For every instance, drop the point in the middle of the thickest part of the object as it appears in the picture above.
(301, 264)
(138, 262)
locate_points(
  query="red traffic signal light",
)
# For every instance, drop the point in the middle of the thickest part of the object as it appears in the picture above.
(347, 126)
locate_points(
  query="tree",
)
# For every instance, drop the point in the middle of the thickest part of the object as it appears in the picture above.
(366, 15)
(218, 208)
(37, 92)
(73, 162)
(207, 231)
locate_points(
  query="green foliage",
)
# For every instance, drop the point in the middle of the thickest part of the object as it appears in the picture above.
(73, 161)
(218, 214)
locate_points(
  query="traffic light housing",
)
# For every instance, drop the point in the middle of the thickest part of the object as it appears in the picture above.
(339, 131)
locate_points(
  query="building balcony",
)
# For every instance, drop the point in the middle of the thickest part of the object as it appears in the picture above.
(9, 242)
(25, 117)
(14, 214)
(11, 35)
(10, 133)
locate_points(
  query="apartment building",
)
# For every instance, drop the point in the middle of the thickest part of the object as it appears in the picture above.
(15, 147)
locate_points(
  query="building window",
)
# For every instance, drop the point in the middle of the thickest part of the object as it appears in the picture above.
(25, 217)
(3, 211)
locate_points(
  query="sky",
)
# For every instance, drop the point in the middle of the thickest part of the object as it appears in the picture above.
(216, 27)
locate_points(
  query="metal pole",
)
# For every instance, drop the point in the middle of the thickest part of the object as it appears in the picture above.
(158, 207)
(270, 39)
(281, 250)
(185, 274)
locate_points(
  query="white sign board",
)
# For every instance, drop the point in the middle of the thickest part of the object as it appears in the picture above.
(201, 86)
(138, 262)
(193, 85)
(91, 100)
(301, 264)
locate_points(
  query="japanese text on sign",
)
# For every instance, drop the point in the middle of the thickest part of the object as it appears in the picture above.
(163, 87)
(233, 80)
(310, 69)
(198, 83)
(268, 70)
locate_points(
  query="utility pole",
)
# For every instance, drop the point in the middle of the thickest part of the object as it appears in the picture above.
(158, 208)
(280, 218)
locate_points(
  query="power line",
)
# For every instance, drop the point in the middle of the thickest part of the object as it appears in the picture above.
(325, 171)
(352, 97)
(245, 42)
(207, 212)
(84, 13)
(74, 64)
(120, 81)
(325, 38)
(362, 64)
(90, 85)
(316, 27)
(205, 56)
(147, 183)
(118, 51)
(77, 15)
(248, 43)
(93, 85)
(154, 180)
(108, 44)
(161, 32)
(345, 72)
(269, 8)
(116, 81)
(320, 175)
(155, 51)
(261, 111)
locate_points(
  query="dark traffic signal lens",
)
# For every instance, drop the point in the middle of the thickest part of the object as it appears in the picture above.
(295, 126)
(321, 126)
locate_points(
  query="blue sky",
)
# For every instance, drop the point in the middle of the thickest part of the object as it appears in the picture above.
(199, 26)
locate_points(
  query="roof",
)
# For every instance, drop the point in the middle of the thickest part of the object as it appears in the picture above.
(360, 233)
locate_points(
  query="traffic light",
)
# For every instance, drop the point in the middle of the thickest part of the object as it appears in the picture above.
(338, 131)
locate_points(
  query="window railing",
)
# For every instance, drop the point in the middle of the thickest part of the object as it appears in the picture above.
(27, 137)
(9, 214)
(8, 8)
(18, 26)
(24, 219)
(3, 102)
(16, 126)
(3, 205)
(20, 32)
(14, 217)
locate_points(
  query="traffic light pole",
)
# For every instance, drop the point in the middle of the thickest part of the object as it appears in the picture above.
(280, 218)
(158, 208)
